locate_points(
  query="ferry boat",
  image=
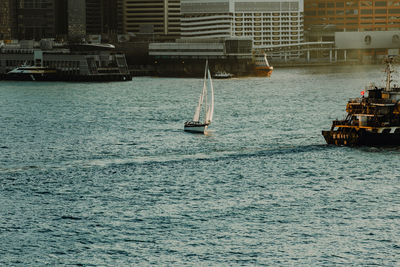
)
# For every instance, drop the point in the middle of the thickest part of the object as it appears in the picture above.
(373, 120)
(76, 63)
(262, 67)
(32, 73)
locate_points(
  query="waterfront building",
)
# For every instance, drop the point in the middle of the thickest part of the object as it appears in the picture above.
(267, 23)
(203, 48)
(186, 57)
(158, 17)
(322, 18)
(363, 30)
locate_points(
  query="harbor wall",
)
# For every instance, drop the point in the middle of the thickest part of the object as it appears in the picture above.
(191, 67)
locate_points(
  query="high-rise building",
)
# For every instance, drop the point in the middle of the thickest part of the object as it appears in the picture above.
(61, 17)
(8, 23)
(101, 16)
(267, 23)
(76, 19)
(110, 13)
(94, 18)
(161, 17)
(324, 17)
(38, 19)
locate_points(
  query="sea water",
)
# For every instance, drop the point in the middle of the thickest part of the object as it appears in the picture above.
(102, 174)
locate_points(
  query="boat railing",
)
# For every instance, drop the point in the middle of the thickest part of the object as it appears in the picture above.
(355, 100)
(359, 100)
(340, 122)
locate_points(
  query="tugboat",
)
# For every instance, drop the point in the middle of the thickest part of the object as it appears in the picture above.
(262, 67)
(371, 121)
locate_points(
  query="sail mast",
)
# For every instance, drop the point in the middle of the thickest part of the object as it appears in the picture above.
(205, 92)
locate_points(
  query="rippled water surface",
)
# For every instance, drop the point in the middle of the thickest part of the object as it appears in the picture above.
(103, 174)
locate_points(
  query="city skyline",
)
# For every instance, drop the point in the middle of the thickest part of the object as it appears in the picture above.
(31, 19)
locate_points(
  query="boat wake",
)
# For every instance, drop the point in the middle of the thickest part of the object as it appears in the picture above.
(213, 156)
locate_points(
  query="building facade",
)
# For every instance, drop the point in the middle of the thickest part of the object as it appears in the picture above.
(40, 19)
(8, 24)
(324, 17)
(159, 17)
(37, 19)
(267, 23)
(32, 19)
(186, 57)
(76, 19)
(101, 16)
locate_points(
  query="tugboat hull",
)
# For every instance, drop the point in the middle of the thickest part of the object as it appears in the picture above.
(263, 72)
(361, 138)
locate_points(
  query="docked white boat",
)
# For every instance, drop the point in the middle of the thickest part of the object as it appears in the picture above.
(33, 73)
(223, 75)
(203, 107)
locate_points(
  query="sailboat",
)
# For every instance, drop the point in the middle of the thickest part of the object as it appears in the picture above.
(203, 107)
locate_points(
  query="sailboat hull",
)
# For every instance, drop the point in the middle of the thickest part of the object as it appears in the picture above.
(195, 128)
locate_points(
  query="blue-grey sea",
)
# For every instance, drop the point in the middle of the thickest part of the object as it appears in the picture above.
(102, 174)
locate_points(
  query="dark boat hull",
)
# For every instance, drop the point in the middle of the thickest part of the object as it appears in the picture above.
(66, 77)
(361, 138)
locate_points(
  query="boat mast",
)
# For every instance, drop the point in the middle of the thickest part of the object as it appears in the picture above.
(205, 92)
(211, 108)
(388, 71)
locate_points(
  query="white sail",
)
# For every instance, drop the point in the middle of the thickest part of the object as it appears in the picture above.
(210, 109)
(266, 60)
(196, 116)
